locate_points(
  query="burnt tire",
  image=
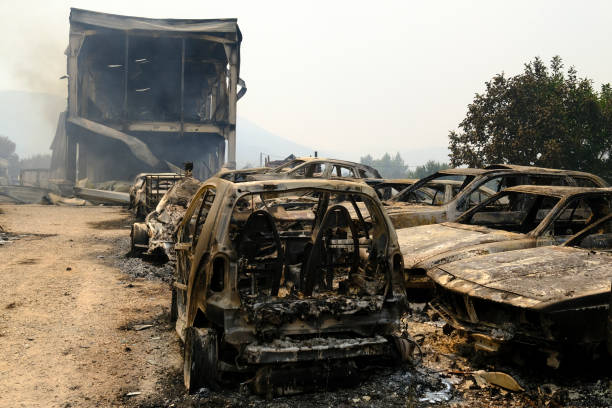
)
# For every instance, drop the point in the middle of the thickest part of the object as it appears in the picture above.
(139, 237)
(200, 359)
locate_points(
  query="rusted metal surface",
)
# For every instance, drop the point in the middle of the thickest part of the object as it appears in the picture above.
(409, 208)
(318, 167)
(293, 351)
(148, 189)
(286, 274)
(532, 216)
(239, 176)
(156, 235)
(553, 297)
(388, 188)
(102, 196)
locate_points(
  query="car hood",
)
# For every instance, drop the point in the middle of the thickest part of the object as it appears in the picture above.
(423, 242)
(393, 207)
(541, 278)
(405, 215)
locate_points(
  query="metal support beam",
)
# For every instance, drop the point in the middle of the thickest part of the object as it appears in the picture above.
(182, 86)
(126, 61)
(232, 100)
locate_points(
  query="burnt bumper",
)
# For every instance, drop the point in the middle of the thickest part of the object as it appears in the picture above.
(318, 349)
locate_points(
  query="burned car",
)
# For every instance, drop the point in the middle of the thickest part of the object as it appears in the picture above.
(389, 188)
(516, 218)
(277, 284)
(556, 298)
(238, 176)
(148, 189)
(318, 167)
(458, 190)
(155, 236)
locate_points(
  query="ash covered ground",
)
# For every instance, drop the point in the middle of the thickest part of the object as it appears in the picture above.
(442, 375)
(100, 318)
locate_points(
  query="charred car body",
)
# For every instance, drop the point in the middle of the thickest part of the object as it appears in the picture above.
(556, 298)
(389, 188)
(516, 218)
(410, 208)
(148, 189)
(239, 176)
(318, 167)
(277, 283)
(155, 236)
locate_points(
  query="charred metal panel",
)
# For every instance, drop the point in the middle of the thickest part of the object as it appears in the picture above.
(290, 277)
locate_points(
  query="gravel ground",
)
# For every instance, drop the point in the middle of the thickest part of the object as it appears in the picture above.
(86, 324)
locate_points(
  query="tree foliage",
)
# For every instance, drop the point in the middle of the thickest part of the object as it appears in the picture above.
(395, 167)
(387, 166)
(543, 117)
(425, 170)
(7, 147)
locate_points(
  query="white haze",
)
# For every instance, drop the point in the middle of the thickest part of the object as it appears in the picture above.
(347, 77)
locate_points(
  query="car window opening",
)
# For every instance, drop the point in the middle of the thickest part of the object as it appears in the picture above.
(308, 244)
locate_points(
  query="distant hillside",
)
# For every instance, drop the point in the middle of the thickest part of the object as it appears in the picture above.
(253, 140)
(29, 119)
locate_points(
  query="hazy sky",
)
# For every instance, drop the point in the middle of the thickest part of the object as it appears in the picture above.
(360, 77)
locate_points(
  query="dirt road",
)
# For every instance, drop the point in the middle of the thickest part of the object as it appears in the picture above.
(81, 325)
(68, 315)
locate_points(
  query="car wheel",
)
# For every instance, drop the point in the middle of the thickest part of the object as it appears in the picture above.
(200, 359)
(139, 237)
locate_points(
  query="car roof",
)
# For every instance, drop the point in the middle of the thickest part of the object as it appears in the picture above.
(469, 171)
(170, 174)
(534, 169)
(460, 171)
(324, 159)
(292, 184)
(395, 181)
(247, 170)
(558, 191)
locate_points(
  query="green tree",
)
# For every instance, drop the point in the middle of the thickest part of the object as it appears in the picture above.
(389, 167)
(7, 151)
(395, 167)
(543, 117)
(425, 170)
(7, 147)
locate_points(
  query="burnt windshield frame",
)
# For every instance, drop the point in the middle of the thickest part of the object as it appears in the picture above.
(469, 178)
(467, 216)
(574, 240)
(375, 211)
(284, 168)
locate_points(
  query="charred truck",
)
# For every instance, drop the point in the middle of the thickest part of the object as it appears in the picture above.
(145, 95)
(279, 285)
